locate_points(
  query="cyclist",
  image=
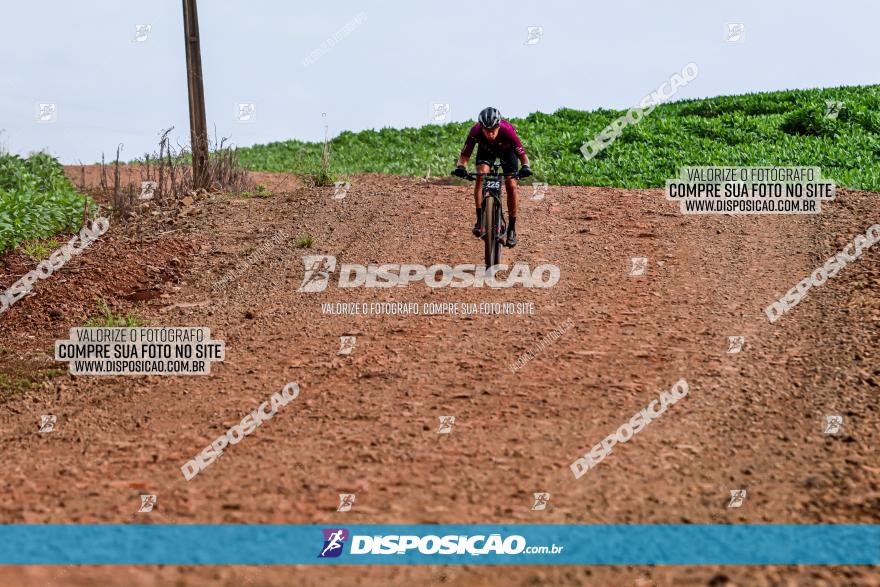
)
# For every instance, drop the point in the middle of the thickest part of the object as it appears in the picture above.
(497, 139)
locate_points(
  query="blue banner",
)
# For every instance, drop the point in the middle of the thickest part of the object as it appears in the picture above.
(515, 544)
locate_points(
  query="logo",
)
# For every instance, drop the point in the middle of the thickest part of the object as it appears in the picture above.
(541, 501)
(439, 111)
(539, 190)
(334, 541)
(246, 112)
(446, 424)
(340, 189)
(737, 497)
(318, 269)
(474, 545)
(147, 503)
(47, 112)
(47, 423)
(346, 345)
(735, 344)
(147, 189)
(346, 500)
(141, 32)
(639, 266)
(833, 424)
(534, 35)
(735, 31)
(832, 108)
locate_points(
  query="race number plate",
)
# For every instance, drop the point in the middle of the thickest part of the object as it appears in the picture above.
(493, 184)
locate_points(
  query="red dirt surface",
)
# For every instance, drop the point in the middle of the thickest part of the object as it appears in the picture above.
(367, 423)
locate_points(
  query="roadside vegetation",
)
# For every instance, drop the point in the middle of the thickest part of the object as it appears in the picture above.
(37, 201)
(106, 317)
(794, 127)
(260, 191)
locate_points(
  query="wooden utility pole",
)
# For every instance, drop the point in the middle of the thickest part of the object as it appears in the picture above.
(198, 126)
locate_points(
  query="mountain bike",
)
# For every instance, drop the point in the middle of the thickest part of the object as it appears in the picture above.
(494, 224)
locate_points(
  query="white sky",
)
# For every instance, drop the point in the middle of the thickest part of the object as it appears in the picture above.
(109, 89)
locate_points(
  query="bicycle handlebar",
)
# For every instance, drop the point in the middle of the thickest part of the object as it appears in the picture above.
(473, 176)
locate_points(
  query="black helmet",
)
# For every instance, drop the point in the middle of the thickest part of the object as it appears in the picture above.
(489, 117)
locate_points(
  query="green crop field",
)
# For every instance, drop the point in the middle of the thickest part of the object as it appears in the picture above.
(36, 200)
(775, 128)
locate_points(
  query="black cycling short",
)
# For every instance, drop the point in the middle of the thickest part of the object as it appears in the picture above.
(509, 159)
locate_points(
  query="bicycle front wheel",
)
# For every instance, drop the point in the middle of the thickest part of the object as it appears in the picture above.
(499, 236)
(491, 230)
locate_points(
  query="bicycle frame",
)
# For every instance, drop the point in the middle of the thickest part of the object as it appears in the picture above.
(493, 213)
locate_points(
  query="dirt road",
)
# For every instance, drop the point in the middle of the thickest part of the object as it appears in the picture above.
(367, 423)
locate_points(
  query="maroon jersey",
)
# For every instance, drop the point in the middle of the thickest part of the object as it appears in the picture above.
(506, 139)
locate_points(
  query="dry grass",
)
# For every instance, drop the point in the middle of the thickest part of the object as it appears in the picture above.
(171, 175)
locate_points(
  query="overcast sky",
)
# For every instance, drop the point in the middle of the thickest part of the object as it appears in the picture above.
(392, 61)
